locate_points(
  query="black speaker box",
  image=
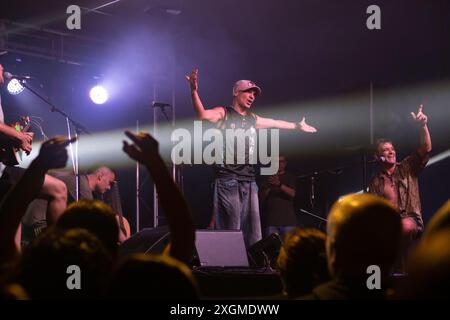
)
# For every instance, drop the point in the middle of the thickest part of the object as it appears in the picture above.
(265, 252)
(214, 248)
(150, 240)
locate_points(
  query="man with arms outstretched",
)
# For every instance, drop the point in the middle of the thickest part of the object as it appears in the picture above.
(236, 205)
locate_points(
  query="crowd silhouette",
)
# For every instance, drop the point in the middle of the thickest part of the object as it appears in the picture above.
(363, 230)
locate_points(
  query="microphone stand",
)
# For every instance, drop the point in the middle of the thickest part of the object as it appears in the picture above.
(340, 169)
(78, 130)
(163, 110)
(155, 105)
(336, 170)
(314, 215)
(364, 172)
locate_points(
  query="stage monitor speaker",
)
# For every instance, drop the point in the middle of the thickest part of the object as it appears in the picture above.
(264, 253)
(220, 248)
(150, 240)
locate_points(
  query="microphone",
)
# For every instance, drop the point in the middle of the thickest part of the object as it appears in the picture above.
(379, 159)
(10, 76)
(156, 104)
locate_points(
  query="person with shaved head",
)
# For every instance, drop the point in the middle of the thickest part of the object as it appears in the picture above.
(98, 184)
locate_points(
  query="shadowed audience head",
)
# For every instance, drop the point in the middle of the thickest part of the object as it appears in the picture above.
(302, 261)
(156, 277)
(96, 217)
(429, 269)
(439, 221)
(13, 291)
(363, 230)
(44, 266)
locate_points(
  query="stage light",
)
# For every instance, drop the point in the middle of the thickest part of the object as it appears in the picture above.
(99, 95)
(14, 87)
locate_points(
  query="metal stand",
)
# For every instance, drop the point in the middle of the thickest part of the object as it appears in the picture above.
(334, 171)
(371, 138)
(162, 107)
(78, 129)
(364, 159)
(138, 188)
(314, 215)
(158, 107)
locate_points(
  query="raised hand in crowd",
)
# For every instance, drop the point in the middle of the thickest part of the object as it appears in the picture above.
(144, 149)
(52, 155)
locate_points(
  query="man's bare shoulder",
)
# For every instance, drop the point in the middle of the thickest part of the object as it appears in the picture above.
(220, 110)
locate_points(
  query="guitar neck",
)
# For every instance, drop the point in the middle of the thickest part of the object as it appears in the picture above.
(117, 205)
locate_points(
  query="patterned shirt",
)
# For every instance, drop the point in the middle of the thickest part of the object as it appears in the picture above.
(405, 183)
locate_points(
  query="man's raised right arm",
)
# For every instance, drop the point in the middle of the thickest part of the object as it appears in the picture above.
(182, 231)
(212, 115)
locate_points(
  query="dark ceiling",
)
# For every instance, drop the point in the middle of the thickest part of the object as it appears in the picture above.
(316, 47)
(297, 50)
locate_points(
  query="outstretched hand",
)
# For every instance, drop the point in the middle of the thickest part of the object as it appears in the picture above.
(420, 117)
(192, 78)
(53, 153)
(306, 127)
(143, 149)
